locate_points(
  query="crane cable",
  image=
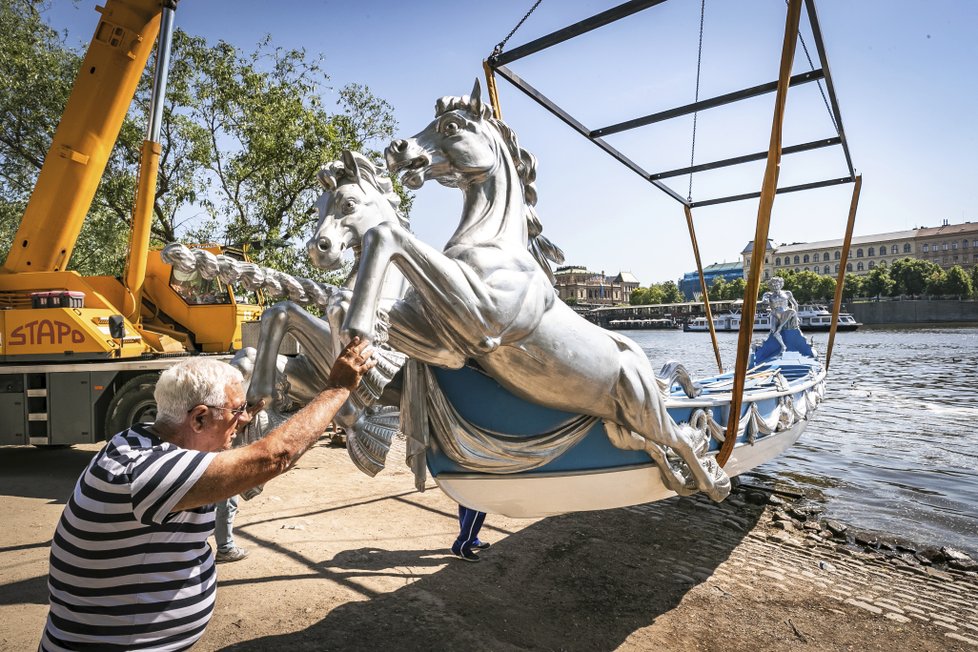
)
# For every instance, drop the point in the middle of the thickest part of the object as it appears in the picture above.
(689, 199)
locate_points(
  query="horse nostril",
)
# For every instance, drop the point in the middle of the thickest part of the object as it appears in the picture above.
(323, 244)
(399, 145)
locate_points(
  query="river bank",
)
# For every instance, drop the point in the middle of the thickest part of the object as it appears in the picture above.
(342, 561)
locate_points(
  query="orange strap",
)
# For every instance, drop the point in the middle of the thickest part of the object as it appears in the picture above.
(768, 190)
(706, 295)
(493, 93)
(841, 279)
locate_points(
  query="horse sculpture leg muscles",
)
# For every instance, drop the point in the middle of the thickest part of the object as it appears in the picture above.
(428, 271)
(314, 336)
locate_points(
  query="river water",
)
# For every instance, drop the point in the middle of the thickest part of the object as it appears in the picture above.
(893, 448)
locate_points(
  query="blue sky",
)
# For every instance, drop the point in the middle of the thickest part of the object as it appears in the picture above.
(904, 73)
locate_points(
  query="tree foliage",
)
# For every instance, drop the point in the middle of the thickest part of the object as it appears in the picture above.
(957, 283)
(911, 274)
(852, 287)
(877, 283)
(243, 135)
(657, 294)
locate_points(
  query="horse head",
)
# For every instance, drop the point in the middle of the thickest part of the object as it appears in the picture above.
(463, 141)
(465, 146)
(357, 196)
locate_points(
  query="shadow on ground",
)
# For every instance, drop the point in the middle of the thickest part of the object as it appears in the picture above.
(581, 581)
(21, 466)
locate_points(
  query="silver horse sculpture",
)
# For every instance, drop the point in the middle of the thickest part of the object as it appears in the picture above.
(283, 383)
(489, 298)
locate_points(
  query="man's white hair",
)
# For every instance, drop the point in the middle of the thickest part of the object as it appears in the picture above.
(192, 382)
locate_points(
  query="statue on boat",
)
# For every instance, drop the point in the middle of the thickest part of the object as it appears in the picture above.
(782, 307)
(512, 401)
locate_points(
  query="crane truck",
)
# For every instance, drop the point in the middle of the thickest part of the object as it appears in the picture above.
(80, 355)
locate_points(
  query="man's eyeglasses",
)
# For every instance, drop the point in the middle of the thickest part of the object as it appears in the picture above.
(238, 412)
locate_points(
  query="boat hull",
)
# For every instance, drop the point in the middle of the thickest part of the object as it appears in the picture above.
(780, 397)
(547, 494)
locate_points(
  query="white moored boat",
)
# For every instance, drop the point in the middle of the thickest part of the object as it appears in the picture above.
(813, 317)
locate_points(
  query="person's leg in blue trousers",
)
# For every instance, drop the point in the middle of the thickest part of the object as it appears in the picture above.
(470, 522)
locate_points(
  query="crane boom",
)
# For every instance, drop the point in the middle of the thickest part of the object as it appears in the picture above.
(73, 167)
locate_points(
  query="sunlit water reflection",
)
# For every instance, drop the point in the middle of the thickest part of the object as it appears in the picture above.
(893, 448)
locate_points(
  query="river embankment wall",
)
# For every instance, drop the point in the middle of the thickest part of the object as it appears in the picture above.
(914, 311)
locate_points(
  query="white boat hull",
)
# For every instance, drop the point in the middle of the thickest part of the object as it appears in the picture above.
(538, 495)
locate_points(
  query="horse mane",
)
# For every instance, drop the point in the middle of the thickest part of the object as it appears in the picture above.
(526, 168)
(335, 173)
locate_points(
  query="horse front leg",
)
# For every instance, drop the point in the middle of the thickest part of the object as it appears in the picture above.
(643, 410)
(283, 318)
(442, 286)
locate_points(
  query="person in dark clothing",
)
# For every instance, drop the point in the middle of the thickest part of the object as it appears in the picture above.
(469, 524)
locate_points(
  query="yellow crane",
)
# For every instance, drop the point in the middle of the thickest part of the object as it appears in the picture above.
(79, 355)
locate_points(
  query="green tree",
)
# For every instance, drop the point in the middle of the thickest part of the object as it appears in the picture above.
(258, 129)
(910, 275)
(878, 282)
(936, 282)
(718, 291)
(853, 287)
(671, 293)
(804, 285)
(655, 296)
(640, 297)
(735, 289)
(825, 290)
(958, 283)
(974, 281)
(243, 135)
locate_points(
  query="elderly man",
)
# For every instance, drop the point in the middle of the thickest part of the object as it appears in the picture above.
(130, 564)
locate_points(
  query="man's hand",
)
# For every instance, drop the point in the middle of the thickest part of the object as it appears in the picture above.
(355, 360)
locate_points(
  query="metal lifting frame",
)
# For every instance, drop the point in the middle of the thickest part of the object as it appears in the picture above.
(498, 64)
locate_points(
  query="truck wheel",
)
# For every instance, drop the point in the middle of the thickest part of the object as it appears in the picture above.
(133, 403)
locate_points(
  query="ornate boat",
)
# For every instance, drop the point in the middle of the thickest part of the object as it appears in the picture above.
(511, 401)
(782, 393)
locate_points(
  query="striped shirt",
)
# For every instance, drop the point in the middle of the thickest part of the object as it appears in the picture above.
(126, 573)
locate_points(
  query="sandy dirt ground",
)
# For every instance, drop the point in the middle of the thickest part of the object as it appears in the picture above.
(340, 561)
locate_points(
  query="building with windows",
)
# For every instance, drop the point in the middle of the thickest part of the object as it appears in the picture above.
(766, 269)
(579, 286)
(946, 245)
(865, 253)
(949, 244)
(689, 284)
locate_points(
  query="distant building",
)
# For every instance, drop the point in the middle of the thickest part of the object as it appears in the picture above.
(865, 253)
(949, 244)
(689, 284)
(946, 245)
(767, 269)
(579, 286)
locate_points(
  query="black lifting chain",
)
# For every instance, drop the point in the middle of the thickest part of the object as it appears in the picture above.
(496, 51)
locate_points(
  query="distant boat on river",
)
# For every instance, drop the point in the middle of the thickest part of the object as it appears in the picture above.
(641, 324)
(812, 317)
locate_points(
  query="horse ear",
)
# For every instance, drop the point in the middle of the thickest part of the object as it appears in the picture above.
(350, 166)
(326, 180)
(475, 98)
